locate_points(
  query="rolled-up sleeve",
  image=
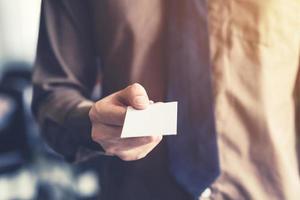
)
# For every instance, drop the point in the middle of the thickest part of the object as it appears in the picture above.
(64, 74)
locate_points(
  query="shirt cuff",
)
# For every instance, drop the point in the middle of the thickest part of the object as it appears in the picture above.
(77, 120)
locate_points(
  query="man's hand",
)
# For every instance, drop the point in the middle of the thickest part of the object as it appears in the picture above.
(107, 117)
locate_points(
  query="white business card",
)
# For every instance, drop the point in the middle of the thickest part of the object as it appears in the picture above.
(156, 119)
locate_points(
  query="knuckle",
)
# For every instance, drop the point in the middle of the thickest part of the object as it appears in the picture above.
(110, 151)
(94, 136)
(92, 114)
(131, 157)
(136, 85)
(96, 111)
(136, 88)
(140, 156)
(125, 156)
(97, 136)
(98, 106)
(156, 139)
(151, 139)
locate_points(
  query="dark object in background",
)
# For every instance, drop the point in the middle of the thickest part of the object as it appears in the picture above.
(28, 169)
(11, 122)
(17, 76)
(14, 144)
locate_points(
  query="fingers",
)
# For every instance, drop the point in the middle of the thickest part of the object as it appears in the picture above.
(105, 132)
(110, 135)
(108, 113)
(107, 118)
(138, 153)
(126, 149)
(131, 148)
(134, 95)
(112, 109)
(132, 143)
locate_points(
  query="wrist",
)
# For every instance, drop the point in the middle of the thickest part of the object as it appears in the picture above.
(78, 121)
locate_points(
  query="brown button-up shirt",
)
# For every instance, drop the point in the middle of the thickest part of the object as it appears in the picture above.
(254, 49)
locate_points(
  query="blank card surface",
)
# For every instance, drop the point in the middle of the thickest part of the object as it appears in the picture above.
(156, 119)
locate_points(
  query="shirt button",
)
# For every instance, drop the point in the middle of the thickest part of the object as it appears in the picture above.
(206, 194)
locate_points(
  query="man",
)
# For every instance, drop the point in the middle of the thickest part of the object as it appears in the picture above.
(233, 67)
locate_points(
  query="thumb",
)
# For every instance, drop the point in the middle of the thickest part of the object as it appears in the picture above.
(134, 95)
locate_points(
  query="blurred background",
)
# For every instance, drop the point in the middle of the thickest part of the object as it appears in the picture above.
(28, 168)
(19, 22)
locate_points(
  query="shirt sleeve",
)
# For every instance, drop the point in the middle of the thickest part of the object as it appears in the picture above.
(64, 75)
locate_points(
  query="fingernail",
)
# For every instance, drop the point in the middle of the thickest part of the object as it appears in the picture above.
(140, 100)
